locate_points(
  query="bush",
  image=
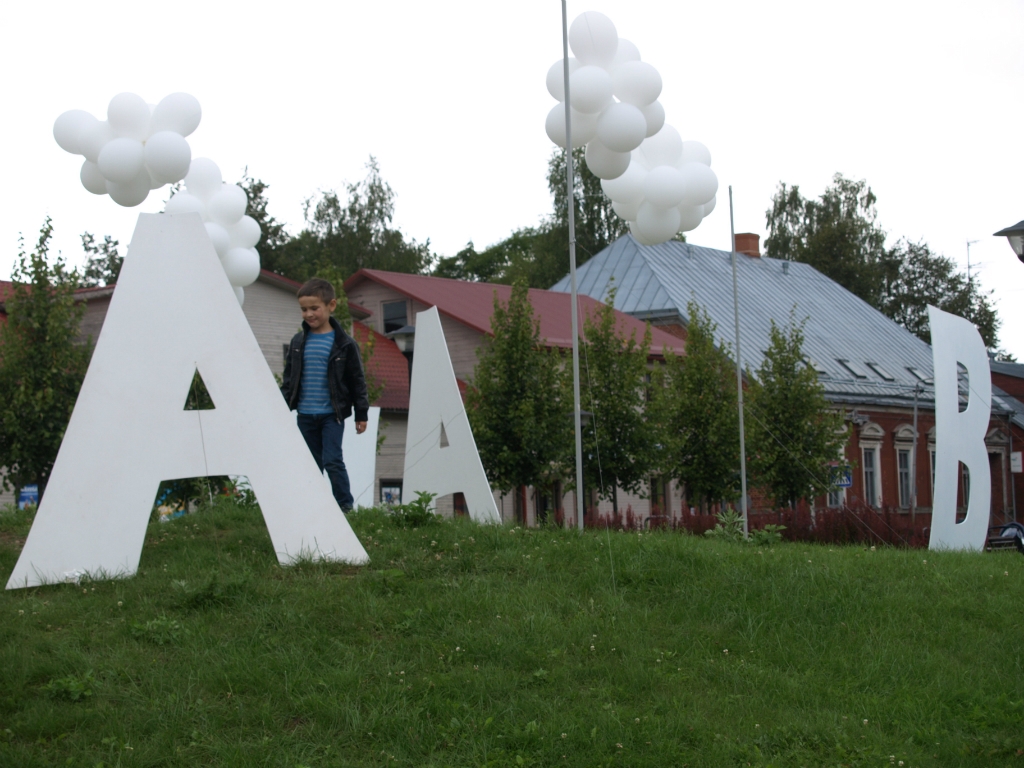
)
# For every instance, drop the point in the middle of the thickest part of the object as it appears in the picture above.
(416, 513)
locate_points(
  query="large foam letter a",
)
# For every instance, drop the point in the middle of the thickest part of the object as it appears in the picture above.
(960, 435)
(174, 312)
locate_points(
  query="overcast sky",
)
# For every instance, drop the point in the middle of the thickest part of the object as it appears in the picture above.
(921, 99)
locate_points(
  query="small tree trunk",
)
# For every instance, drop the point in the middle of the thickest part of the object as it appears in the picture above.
(615, 500)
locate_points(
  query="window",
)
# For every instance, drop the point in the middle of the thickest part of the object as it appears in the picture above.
(390, 493)
(836, 497)
(871, 477)
(394, 316)
(882, 373)
(853, 368)
(903, 468)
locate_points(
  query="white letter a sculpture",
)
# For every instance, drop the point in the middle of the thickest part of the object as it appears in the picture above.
(440, 453)
(960, 435)
(174, 312)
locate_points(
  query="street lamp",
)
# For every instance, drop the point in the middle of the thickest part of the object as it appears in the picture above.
(1015, 236)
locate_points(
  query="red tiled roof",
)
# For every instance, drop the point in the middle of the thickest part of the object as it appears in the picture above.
(284, 282)
(472, 304)
(389, 366)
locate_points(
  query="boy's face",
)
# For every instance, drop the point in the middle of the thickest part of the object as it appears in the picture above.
(317, 314)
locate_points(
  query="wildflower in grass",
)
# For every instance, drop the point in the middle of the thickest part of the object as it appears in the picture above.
(637, 721)
(21, 613)
(865, 722)
(725, 651)
(433, 543)
(563, 736)
(120, 604)
(592, 648)
(620, 747)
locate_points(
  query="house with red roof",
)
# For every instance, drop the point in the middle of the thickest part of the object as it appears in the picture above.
(392, 301)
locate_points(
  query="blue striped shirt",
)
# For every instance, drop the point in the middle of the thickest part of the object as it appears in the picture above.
(314, 395)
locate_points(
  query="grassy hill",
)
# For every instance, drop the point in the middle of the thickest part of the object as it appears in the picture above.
(462, 645)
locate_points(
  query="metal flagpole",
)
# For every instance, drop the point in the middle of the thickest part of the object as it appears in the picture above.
(739, 374)
(572, 276)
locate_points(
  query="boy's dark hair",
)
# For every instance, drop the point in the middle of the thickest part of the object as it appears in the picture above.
(318, 287)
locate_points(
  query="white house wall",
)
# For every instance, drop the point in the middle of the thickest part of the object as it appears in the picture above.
(274, 316)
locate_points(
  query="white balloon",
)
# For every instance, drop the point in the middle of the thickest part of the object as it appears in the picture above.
(664, 187)
(239, 294)
(638, 159)
(70, 128)
(657, 224)
(690, 217)
(709, 206)
(94, 138)
(179, 112)
(220, 237)
(245, 233)
(590, 89)
(203, 178)
(556, 78)
(603, 162)
(695, 152)
(621, 127)
(625, 52)
(154, 183)
(701, 183)
(584, 127)
(634, 230)
(636, 82)
(593, 38)
(128, 114)
(120, 160)
(629, 187)
(227, 205)
(654, 114)
(663, 148)
(167, 155)
(626, 211)
(92, 179)
(183, 202)
(242, 266)
(130, 193)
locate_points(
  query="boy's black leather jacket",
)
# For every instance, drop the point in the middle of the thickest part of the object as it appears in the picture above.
(345, 378)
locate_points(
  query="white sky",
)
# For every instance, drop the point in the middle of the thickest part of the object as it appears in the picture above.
(922, 99)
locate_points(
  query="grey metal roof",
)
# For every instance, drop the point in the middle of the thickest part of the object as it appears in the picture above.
(659, 280)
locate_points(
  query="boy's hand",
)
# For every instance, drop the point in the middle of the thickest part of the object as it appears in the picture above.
(360, 427)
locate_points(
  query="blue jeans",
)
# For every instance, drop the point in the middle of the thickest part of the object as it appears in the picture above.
(323, 433)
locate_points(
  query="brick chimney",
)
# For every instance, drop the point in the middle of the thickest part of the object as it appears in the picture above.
(749, 243)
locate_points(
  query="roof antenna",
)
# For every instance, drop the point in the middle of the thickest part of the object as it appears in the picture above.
(785, 267)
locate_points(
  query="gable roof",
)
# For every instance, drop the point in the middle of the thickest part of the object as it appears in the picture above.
(472, 304)
(659, 280)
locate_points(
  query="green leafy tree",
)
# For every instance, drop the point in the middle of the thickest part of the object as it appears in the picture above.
(104, 261)
(792, 433)
(41, 365)
(916, 277)
(619, 443)
(520, 420)
(837, 234)
(345, 236)
(540, 255)
(695, 402)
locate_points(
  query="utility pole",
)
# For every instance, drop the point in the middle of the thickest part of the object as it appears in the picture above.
(739, 375)
(577, 416)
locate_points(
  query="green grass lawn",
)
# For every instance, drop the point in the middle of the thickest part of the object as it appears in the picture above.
(462, 645)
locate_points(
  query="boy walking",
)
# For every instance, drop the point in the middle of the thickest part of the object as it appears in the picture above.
(323, 380)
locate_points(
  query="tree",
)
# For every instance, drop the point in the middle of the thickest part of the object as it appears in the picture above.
(104, 263)
(916, 277)
(696, 405)
(793, 433)
(540, 255)
(619, 443)
(41, 363)
(520, 420)
(838, 234)
(347, 236)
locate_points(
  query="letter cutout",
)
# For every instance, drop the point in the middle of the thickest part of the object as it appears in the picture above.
(360, 454)
(174, 313)
(436, 409)
(960, 436)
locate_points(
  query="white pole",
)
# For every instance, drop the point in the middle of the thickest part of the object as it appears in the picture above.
(572, 276)
(739, 375)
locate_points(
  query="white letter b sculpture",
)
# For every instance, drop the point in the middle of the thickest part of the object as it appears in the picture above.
(960, 435)
(174, 312)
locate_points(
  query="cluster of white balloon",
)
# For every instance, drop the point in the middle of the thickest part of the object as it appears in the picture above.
(657, 182)
(139, 148)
